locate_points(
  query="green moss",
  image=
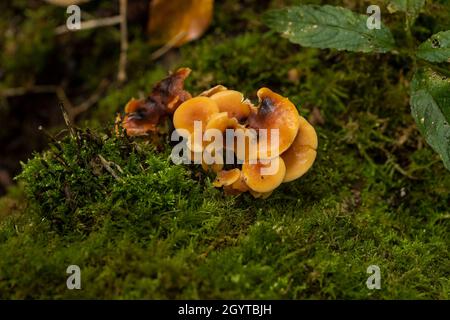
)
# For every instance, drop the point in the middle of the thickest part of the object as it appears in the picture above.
(377, 193)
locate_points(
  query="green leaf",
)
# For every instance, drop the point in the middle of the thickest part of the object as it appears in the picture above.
(329, 27)
(411, 7)
(437, 48)
(430, 106)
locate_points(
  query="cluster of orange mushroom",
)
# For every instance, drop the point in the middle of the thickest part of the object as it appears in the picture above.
(222, 109)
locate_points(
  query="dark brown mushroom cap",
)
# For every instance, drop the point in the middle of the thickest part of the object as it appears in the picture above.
(143, 116)
(169, 92)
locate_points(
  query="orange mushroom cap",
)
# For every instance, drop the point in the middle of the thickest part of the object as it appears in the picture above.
(237, 187)
(240, 185)
(195, 109)
(258, 181)
(274, 112)
(306, 135)
(233, 103)
(208, 93)
(302, 153)
(221, 122)
(227, 177)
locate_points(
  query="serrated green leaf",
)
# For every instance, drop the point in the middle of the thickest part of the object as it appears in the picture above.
(329, 27)
(411, 7)
(437, 48)
(430, 106)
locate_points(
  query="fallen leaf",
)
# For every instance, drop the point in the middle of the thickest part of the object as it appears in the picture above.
(178, 21)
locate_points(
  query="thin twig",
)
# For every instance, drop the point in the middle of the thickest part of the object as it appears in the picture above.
(15, 92)
(61, 94)
(67, 119)
(122, 74)
(107, 166)
(91, 24)
(71, 110)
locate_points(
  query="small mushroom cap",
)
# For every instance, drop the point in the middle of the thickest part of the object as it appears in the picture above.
(237, 187)
(218, 121)
(240, 185)
(274, 112)
(298, 161)
(233, 103)
(258, 181)
(227, 177)
(221, 122)
(302, 153)
(195, 109)
(213, 90)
